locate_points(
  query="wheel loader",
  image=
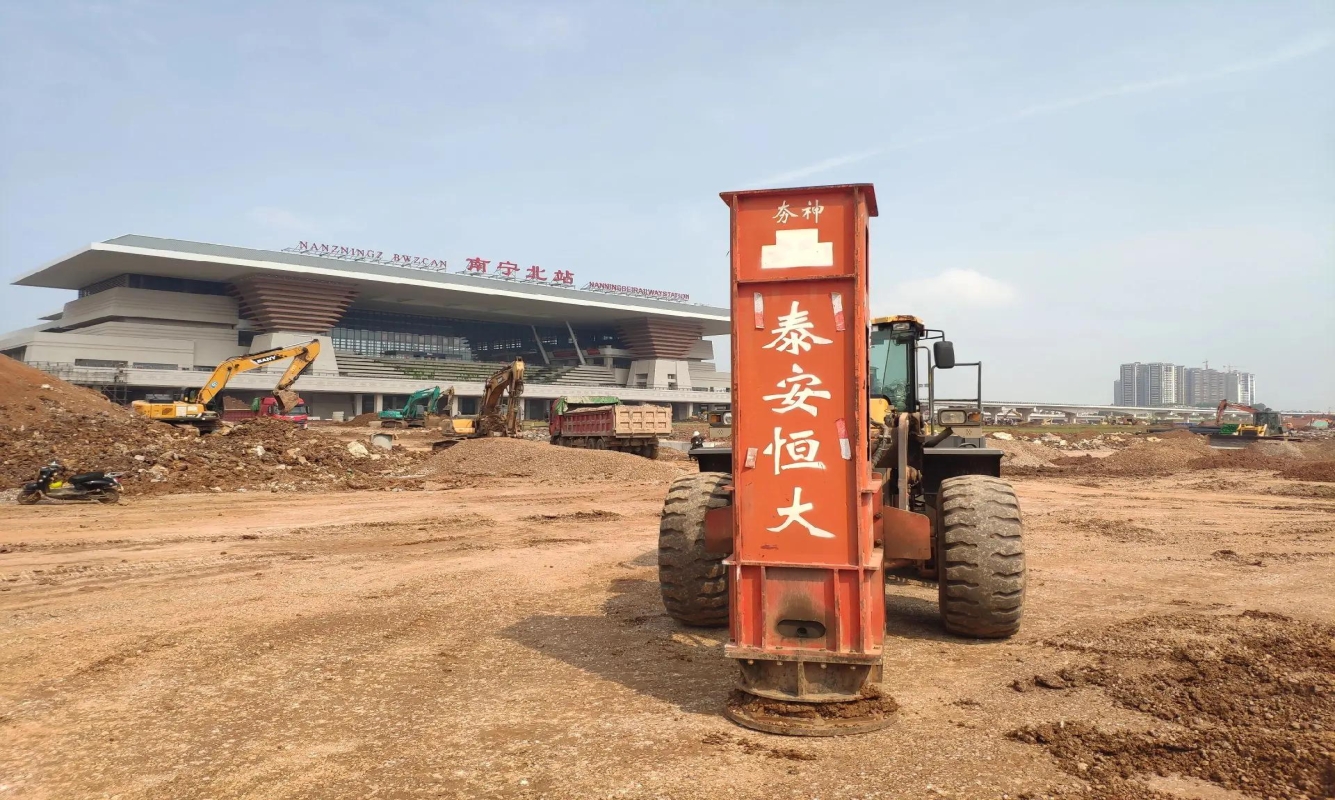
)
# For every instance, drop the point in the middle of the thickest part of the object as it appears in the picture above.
(953, 480)
(838, 474)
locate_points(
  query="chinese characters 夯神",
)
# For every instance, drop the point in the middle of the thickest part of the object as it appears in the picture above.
(811, 211)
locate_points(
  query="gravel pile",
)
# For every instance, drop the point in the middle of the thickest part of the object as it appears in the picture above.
(475, 459)
(1023, 454)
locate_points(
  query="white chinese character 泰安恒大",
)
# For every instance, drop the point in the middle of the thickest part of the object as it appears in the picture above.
(801, 450)
(794, 332)
(812, 210)
(784, 213)
(798, 393)
(794, 513)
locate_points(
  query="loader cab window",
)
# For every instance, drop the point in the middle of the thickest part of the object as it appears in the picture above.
(891, 374)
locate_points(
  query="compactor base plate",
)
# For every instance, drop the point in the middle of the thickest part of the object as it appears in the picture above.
(869, 713)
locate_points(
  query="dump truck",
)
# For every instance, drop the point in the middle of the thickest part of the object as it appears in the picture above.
(839, 473)
(605, 423)
(269, 407)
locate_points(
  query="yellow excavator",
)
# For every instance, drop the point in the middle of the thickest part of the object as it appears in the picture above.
(504, 387)
(201, 406)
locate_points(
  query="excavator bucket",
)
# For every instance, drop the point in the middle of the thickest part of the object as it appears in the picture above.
(287, 399)
(807, 613)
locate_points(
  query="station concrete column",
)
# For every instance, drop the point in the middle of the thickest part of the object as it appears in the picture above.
(379, 403)
(1071, 418)
(578, 352)
(356, 404)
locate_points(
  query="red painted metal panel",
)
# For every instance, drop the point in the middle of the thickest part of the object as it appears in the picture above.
(806, 572)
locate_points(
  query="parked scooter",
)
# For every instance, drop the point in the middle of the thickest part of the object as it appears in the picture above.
(102, 487)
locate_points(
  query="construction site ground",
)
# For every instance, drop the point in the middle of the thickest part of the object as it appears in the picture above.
(275, 612)
(506, 639)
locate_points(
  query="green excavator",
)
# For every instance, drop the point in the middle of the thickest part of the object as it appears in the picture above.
(420, 411)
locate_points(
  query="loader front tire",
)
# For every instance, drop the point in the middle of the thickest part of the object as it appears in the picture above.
(694, 582)
(980, 557)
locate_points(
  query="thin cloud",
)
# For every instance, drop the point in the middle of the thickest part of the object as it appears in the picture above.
(280, 219)
(961, 288)
(1293, 52)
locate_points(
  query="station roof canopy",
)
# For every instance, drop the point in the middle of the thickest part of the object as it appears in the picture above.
(380, 286)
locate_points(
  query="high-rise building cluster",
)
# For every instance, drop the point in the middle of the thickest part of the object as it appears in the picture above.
(1160, 384)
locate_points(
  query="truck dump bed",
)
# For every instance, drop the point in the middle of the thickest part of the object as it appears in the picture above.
(621, 421)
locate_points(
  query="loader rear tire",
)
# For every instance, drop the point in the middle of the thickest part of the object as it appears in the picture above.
(694, 582)
(980, 557)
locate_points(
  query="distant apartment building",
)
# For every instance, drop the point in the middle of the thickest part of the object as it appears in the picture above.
(1240, 387)
(1128, 384)
(1193, 386)
(1162, 384)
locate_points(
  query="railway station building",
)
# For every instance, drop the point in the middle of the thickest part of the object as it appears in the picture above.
(153, 316)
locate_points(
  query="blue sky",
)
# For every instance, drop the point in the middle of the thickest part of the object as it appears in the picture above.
(1063, 186)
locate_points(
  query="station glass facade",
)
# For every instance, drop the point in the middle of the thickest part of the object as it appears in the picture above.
(384, 334)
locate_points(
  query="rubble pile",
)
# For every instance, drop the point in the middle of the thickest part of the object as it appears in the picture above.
(1150, 456)
(473, 460)
(1021, 454)
(43, 419)
(1114, 455)
(1097, 441)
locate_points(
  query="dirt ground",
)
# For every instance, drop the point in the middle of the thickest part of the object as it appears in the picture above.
(507, 640)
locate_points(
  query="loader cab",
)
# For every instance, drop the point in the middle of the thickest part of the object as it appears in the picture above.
(893, 371)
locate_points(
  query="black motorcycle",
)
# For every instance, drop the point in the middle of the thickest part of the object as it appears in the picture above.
(101, 487)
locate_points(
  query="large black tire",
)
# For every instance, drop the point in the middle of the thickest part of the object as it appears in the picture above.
(694, 582)
(980, 557)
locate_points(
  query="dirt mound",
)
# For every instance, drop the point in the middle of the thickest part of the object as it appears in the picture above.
(84, 431)
(1249, 699)
(27, 394)
(544, 463)
(1250, 458)
(1323, 471)
(1145, 458)
(361, 420)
